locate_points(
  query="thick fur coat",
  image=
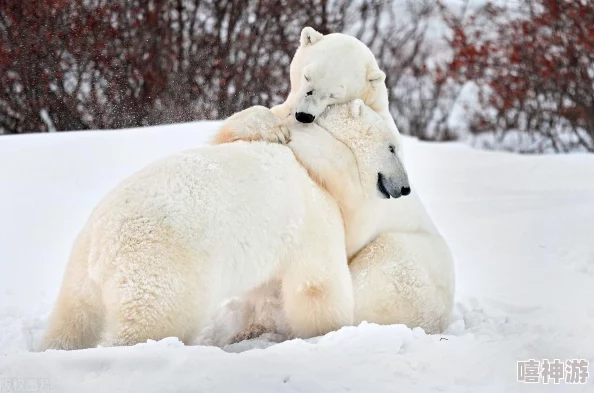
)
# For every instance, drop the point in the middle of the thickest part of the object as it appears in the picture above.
(406, 274)
(167, 245)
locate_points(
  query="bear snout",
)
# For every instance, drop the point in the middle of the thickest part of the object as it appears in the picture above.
(389, 188)
(303, 117)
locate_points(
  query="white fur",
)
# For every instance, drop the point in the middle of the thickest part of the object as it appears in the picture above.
(335, 68)
(164, 248)
(411, 265)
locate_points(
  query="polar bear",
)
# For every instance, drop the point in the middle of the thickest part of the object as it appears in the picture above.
(326, 70)
(405, 275)
(168, 244)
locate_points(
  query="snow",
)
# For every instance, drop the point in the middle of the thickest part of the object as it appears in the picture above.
(520, 228)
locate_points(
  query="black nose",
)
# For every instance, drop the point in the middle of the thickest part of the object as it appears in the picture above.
(303, 117)
(405, 190)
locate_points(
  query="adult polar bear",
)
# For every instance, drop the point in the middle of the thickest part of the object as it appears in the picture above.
(163, 249)
(405, 275)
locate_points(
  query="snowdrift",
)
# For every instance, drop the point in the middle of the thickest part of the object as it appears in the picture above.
(521, 229)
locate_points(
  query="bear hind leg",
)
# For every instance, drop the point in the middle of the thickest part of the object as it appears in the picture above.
(163, 298)
(74, 324)
(76, 321)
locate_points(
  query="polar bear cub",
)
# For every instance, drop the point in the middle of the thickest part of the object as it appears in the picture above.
(168, 244)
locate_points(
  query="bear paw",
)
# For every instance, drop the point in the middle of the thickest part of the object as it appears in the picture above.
(257, 123)
(254, 330)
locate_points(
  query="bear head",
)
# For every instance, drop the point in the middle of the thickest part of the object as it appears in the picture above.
(373, 146)
(333, 69)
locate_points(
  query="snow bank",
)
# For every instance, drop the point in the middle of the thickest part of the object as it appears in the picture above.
(521, 229)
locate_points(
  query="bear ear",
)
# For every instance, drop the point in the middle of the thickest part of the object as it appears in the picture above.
(309, 36)
(375, 75)
(357, 107)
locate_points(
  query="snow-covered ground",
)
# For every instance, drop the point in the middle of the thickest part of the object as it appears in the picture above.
(521, 229)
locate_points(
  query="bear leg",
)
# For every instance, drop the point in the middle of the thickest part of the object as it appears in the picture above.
(75, 323)
(318, 295)
(256, 123)
(404, 278)
(156, 293)
(76, 320)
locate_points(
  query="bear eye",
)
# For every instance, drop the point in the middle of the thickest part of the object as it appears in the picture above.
(392, 149)
(309, 93)
(306, 78)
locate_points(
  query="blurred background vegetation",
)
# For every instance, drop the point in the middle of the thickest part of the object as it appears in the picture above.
(515, 75)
